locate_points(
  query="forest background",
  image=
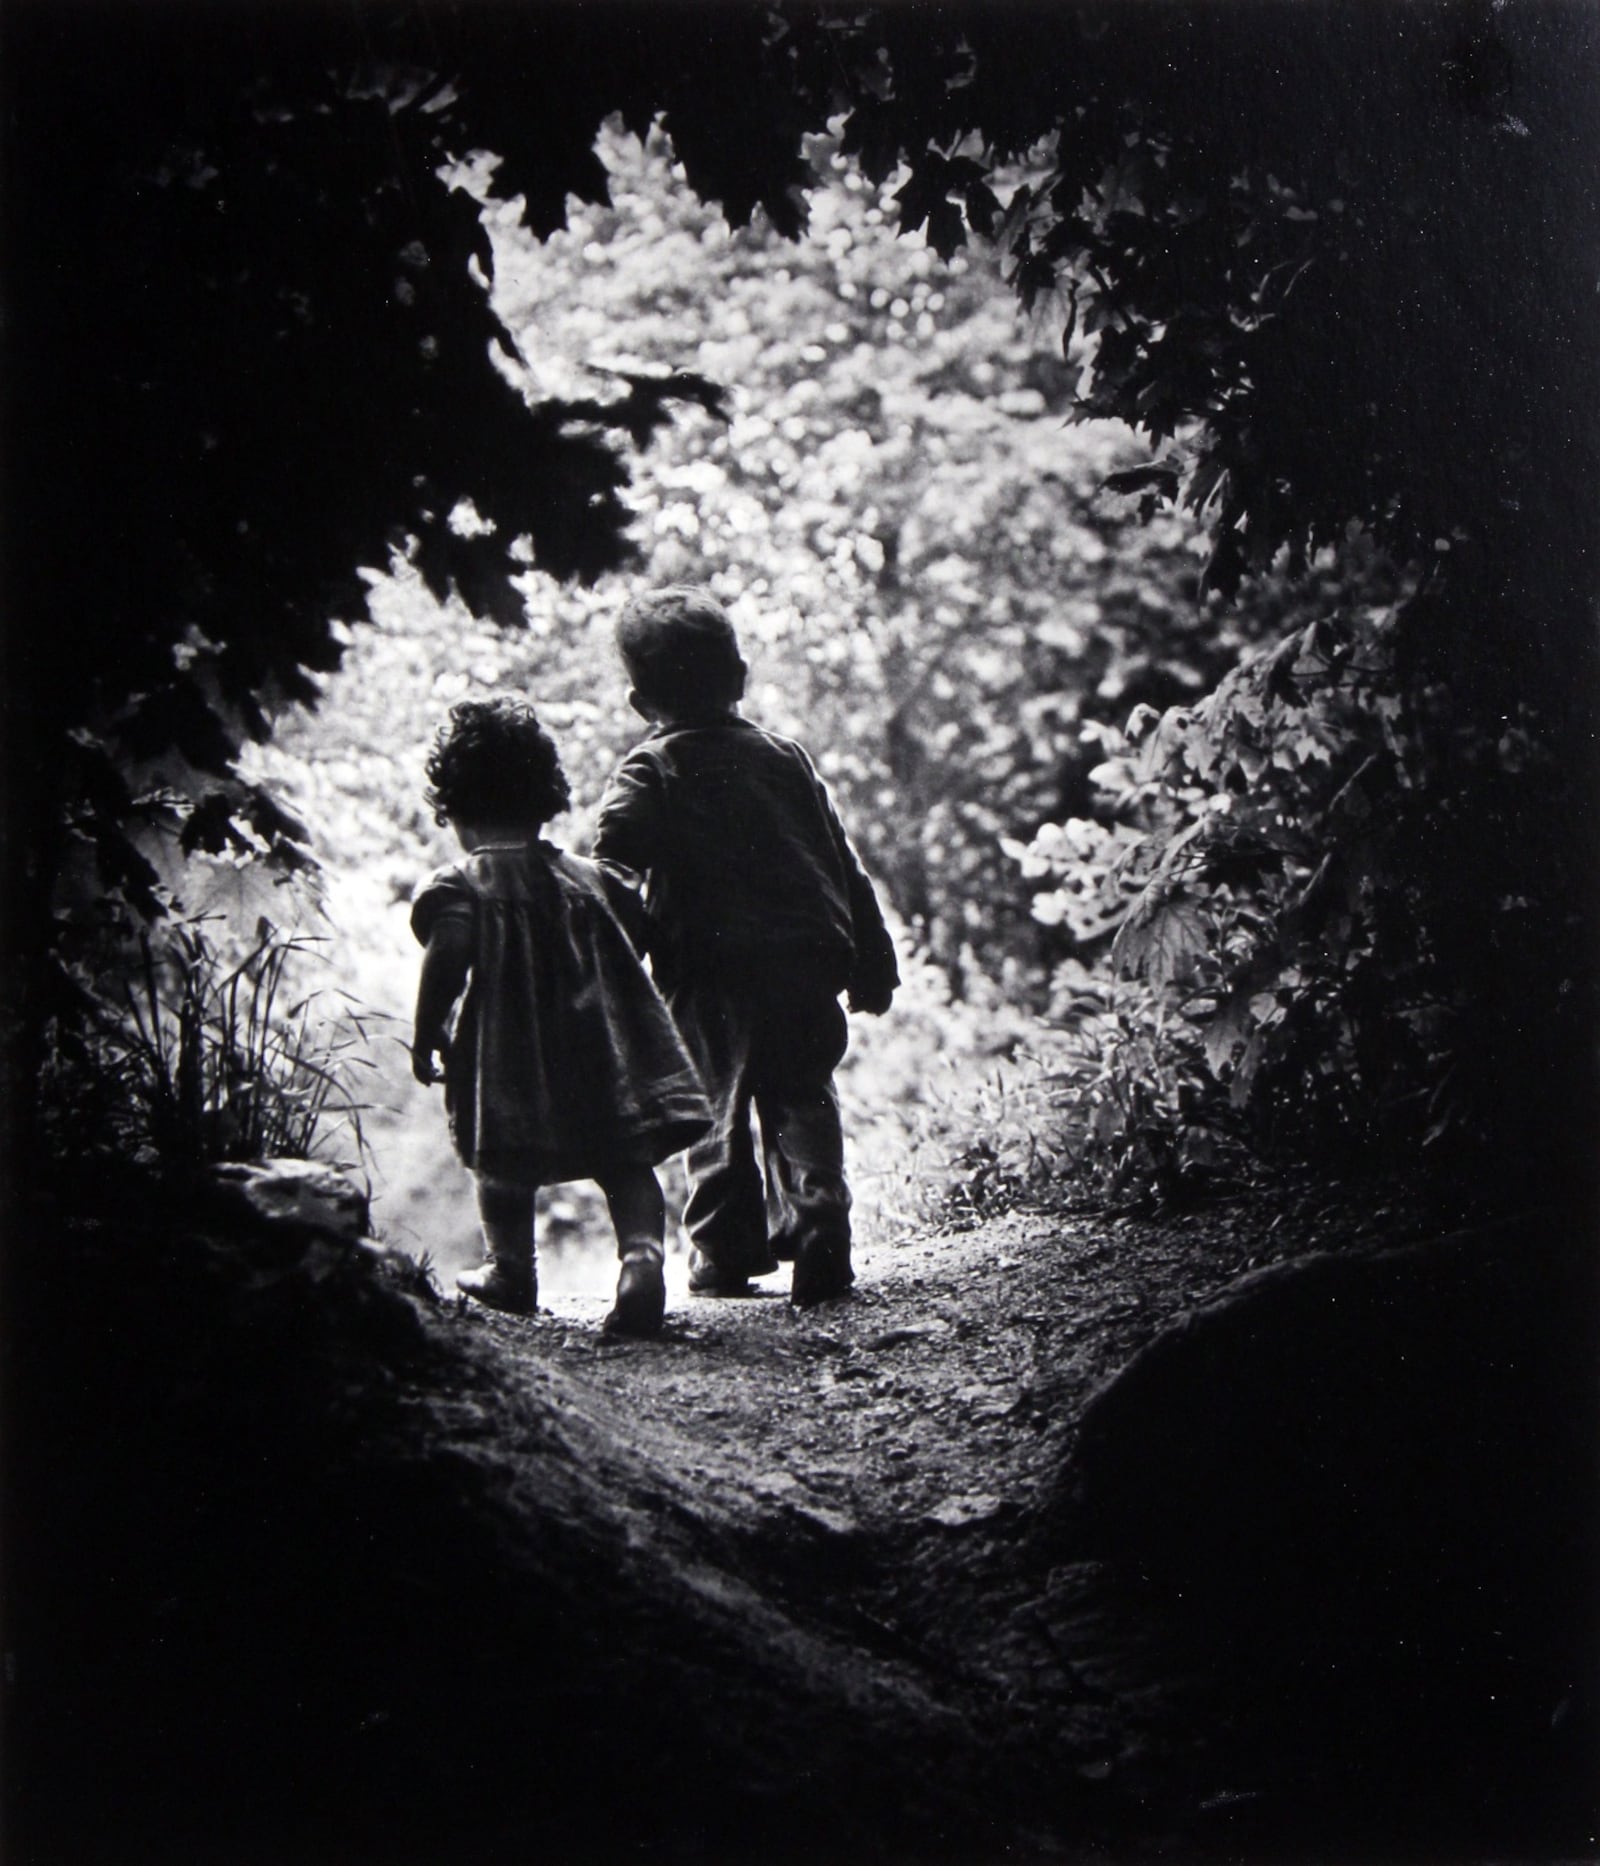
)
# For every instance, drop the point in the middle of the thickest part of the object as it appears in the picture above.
(1240, 730)
(938, 596)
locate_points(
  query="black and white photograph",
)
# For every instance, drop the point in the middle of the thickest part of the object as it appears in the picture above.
(798, 954)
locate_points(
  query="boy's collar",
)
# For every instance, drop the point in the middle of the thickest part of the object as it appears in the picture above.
(711, 722)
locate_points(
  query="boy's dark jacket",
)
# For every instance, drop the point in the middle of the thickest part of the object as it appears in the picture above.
(748, 872)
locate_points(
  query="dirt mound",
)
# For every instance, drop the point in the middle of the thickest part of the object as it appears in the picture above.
(318, 1567)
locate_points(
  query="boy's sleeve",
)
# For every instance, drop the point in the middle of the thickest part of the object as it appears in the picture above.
(621, 889)
(628, 835)
(874, 970)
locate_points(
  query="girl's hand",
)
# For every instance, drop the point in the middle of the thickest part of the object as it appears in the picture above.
(423, 1066)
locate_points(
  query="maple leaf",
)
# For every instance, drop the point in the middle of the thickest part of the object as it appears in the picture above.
(1161, 943)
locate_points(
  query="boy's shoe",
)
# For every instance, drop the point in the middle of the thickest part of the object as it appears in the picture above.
(641, 1296)
(710, 1279)
(498, 1288)
(822, 1273)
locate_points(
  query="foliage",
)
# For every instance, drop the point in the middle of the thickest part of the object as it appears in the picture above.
(1239, 260)
(1321, 333)
(258, 351)
(953, 641)
(1331, 261)
(1105, 1103)
(199, 1059)
(1354, 905)
(932, 589)
(251, 348)
(1323, 883)
(1242, 259)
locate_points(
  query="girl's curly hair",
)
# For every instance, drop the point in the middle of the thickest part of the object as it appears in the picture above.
(494, 763)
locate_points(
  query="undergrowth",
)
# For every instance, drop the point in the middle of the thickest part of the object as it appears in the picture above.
(186, 1048)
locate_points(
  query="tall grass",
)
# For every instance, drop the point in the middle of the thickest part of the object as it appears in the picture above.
(196, 1055)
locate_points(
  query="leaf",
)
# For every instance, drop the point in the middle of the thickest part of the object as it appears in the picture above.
(1204, 483)
(1034, 275)
(177, 715)
(1161, 944)
(211, 826)
(983, 208)
(125, 870)
(947, 231)
(922, 191)
(1160, 478)
(271, 821)
(1230, 1024)
(1244, 1073)
(1225, 570)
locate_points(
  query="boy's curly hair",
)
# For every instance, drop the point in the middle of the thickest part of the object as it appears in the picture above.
(494, 763)
(681, 651)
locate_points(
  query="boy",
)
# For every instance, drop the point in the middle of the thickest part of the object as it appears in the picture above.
(758, 916)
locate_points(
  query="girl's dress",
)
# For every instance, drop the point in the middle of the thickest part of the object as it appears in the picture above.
(563, 1061)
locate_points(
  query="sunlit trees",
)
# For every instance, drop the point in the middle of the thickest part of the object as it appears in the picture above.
(1329, 261)
(934, 590)
(1334, 263)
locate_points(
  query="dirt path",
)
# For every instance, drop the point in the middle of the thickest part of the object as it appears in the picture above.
(409, 1582)
(938, 1396)
(893, 1463)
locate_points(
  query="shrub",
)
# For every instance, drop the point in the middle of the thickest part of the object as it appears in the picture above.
(1330, 893)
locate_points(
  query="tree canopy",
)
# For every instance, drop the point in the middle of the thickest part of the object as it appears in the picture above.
(1354, 244)
(1334, 263)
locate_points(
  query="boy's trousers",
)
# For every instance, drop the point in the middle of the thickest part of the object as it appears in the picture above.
(771, 1044)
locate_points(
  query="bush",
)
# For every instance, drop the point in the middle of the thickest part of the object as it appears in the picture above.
(1333, 897)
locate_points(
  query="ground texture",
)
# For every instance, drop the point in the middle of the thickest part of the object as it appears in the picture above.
(322, 1568)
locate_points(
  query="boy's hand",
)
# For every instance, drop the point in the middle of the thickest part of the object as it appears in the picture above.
(873, 999)
(423, 1066)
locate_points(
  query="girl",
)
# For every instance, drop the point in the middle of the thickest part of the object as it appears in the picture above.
(558, 1057)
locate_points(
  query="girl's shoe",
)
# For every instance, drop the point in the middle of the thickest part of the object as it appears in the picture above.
(641, 1296)
(498, 1288)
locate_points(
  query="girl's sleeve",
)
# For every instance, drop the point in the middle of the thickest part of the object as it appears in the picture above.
(445, 893)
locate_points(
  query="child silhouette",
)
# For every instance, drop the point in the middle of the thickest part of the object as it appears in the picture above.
(758, 917)
(559, 1059)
